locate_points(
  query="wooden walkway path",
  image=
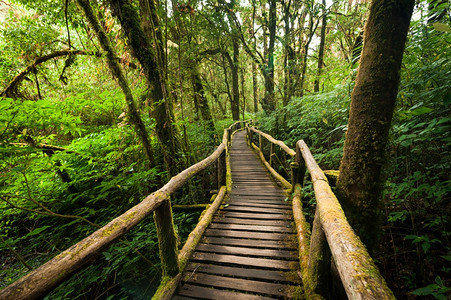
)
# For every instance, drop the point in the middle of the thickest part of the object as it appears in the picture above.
(249, 251)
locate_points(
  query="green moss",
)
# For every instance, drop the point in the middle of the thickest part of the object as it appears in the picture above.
(161, 291)
(297, 293)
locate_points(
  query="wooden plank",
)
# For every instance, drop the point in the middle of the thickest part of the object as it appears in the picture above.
(260, 195)
(259, 201)
(256, 216)
(244, 261)
(266, 288)
(256, 274)
(259, 192)
(255, 209)
(271, 189)
(273, 253)
(287, 245)
(209, 293)
(248, 227)
(223, 219)
(251, 199)
(248, 234)
(281, 205)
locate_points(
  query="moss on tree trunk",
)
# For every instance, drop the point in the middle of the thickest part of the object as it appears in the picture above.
(167, 239)
(201, 100)
(148, 58)
(359, 185)
(118, 74)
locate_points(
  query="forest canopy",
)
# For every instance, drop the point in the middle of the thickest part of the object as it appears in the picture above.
(101, 102)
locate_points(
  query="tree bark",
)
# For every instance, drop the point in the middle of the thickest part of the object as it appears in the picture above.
(288, 54)
(201, 100)
(151, 61)
(255, 86)
(254, 65)
(235, 105)
(321, 47)
(359, 185)
(269, 102)
(118, 74)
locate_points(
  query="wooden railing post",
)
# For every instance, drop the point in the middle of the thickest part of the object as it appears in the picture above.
(301, 166)
(318, 270)
(260, 143)
(222, 170)
(229, 137)
(294, 175)
(271, 154)
(167, 239)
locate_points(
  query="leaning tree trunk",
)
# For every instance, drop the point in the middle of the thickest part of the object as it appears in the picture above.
(149, 57)
(359, 185)
(118, 74)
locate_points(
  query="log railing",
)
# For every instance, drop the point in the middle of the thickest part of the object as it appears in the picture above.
(331, 245)
(45, 278)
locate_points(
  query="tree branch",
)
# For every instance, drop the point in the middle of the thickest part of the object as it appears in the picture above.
(9, 90)
(47, 211)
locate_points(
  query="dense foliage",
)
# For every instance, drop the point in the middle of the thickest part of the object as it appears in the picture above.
(71, 161)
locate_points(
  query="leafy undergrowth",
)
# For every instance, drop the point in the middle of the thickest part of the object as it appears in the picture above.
(50, 202)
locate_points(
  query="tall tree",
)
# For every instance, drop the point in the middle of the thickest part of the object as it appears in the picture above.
(359, 184)
(321, 46)
(269, 101)
(118, 74)
(152, 60)
(235, 86)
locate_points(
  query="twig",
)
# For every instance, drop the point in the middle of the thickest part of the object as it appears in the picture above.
(16, 254)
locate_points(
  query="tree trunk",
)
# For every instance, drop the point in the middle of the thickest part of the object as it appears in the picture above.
(288, 54)
(235, 105)
(118, 74)
(243, 95)
(268, 102)
(305, 57)
(201, 100)
(254, 65)
(359, 184)
(255, 86)
(152, 62)
(321, 47)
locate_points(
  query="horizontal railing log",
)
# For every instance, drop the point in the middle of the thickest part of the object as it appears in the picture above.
(259, 149)
(331, 235)
(45, 278)
(360, 277)
(281, 144)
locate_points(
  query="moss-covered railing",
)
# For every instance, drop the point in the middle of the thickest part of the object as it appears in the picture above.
(45, 278)
(331, 245)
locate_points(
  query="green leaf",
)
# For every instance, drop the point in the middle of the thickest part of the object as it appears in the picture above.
(447, 257)
(441, 27)
(37, 230)
(426, 247)
(421, 110)
(427, 290)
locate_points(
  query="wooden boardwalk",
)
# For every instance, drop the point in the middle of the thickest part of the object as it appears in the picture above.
(249, 251)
